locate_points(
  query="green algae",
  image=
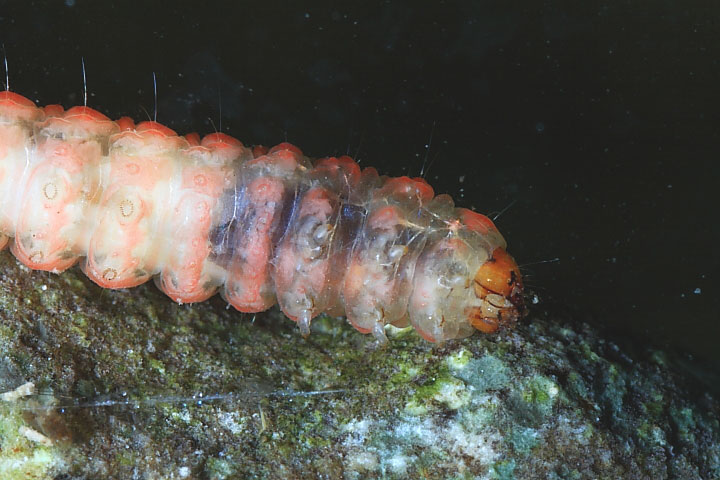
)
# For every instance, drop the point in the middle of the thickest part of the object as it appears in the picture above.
(504, 470)
(483, 374)
(134, 385)
(523, 439)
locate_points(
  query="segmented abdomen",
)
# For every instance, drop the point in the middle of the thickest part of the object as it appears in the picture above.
(131, 202)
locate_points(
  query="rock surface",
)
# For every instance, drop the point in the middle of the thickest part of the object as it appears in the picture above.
(131, 385)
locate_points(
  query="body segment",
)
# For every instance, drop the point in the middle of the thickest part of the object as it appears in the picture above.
(132, 202)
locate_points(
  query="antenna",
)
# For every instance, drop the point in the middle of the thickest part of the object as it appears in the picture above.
(155, 89)
(82, 59)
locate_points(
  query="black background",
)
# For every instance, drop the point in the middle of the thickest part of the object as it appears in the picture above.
(597, 122)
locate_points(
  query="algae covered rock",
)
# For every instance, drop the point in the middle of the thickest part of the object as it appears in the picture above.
(126, 384)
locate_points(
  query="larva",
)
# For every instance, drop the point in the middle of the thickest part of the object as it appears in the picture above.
(132, 202)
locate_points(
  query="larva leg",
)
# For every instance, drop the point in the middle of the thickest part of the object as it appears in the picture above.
(378, 332)
(303, 321)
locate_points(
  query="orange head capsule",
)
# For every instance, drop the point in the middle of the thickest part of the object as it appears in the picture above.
(499, 284)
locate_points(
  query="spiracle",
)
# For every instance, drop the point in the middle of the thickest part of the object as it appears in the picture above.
(130, 202)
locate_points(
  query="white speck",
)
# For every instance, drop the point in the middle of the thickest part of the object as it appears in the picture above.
(553, 390)
(461, 179)
(697, 291)
(184, 472)
(43, 287)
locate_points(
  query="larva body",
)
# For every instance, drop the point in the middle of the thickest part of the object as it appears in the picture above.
(131, 202)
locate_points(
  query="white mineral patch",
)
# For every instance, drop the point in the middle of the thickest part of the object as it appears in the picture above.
(454, 394)
(362, 461)
(31, 466)
(360, 458)
(184, 472)
(396, 447)
(477, 445)
(357, 430)
(232, 421)
(553, 390)
(474, 444)
(35, 436)
(183, 416)
(23, 390)
(576, 429)
(399, 463)
(415, 409)
(458, 360)
(417, 432)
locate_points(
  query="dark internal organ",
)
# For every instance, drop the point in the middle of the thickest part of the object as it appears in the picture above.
(132, 202)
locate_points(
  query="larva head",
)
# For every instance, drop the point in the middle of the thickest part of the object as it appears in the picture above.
(465, 280)
(498, 285)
